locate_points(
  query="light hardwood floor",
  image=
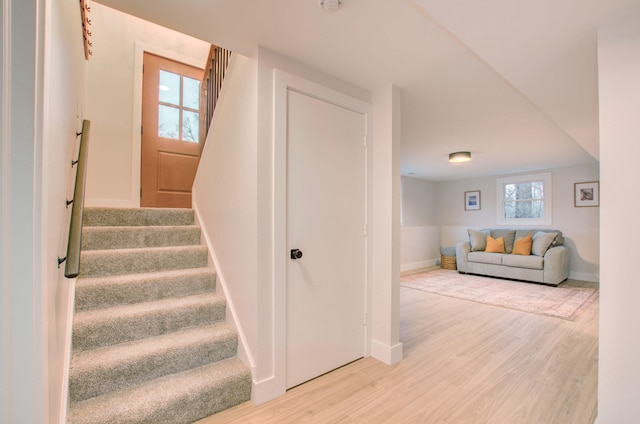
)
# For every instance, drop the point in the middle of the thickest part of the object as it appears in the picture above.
(464, 363)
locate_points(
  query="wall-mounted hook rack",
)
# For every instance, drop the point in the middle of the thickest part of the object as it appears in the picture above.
(86, 34)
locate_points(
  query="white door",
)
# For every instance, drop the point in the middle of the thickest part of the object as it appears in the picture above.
(325, 221)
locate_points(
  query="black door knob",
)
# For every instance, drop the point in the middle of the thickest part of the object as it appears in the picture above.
(296, 254)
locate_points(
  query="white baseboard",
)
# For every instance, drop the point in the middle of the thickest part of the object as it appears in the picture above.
(418, 265)
(388, 354)
(64, 399)
(584, 276)
(266, 390)
(244, 353)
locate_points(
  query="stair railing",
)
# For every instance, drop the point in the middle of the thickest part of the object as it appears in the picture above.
(214, 74)
(72, 266)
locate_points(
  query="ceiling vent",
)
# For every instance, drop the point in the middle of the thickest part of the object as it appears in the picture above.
(330, 5)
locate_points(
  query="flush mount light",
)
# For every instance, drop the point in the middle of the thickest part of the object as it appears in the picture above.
(460, 157)
(330, 5)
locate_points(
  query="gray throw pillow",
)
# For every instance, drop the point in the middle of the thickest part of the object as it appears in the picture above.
(509, 238)
(541, 242)
(478, 240)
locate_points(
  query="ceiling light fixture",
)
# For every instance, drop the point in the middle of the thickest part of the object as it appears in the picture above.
(460, 157)
(330, 5)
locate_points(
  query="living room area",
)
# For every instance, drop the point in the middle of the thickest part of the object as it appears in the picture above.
(557, 274)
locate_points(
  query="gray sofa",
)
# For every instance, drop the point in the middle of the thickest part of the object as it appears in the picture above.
(547, 264)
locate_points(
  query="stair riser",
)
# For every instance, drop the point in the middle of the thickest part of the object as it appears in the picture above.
(98, 238)
(100, 379)
(89, 334)
(134, 261)
(94, 217)
(123, 290)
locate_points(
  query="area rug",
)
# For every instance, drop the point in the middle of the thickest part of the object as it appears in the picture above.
(561, 302)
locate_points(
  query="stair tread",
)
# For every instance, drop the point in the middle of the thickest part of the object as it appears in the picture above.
(114, 290)
(156, 275)
(114, 237)
(99, 371)
(125, 311)
(157, 400)
(107, 356)
(95, 263)
(102, 216)
(141, 249)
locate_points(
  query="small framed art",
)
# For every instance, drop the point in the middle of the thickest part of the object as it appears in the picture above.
(587, 194)
(472, 200)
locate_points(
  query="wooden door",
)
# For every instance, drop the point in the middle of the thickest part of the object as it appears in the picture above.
(170, 132)
(325, 221)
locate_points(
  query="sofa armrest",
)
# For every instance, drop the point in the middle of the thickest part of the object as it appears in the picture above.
(462, 250)
(556, 265)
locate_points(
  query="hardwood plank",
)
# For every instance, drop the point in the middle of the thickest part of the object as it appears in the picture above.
(464, 363)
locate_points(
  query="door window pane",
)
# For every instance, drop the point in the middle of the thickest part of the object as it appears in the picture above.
(169, 122)
(169, 88)
(190, 126)
(191, 95)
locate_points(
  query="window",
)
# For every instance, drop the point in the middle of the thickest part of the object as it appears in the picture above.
(178, 109)
(524, 200)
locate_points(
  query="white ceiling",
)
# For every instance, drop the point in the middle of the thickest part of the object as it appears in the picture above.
(512, 81)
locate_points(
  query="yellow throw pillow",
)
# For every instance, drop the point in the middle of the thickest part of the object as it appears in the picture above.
(522, 246)
(495, 245)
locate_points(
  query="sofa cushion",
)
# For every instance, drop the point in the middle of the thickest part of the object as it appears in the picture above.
(522, 232)
(495, 245)
(478, 240)
(509, 237)
(519, 261)
(542, 242)
(522, 246)
(485, 258)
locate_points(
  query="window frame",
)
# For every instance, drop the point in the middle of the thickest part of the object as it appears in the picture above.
(547, 199)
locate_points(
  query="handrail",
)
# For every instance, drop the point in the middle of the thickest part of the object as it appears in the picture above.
(72, 267)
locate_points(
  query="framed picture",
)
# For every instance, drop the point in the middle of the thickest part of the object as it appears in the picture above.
(587, 194)
(472, 200)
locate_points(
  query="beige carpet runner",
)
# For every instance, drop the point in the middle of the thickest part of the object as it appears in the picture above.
(150, 340)
(561, 302)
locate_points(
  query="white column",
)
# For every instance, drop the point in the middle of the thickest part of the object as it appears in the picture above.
(619, 353)
(385, 320)
(22, 356)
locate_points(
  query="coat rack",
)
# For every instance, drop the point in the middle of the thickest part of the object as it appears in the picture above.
(86, 34)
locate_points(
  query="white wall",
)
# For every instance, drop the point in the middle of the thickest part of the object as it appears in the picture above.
(64, 110)
(225, 196)
(41, 111)
(238, 193)
(420, 231)
(114, 95)
(580, 226)
(269, 376)
(619, 93)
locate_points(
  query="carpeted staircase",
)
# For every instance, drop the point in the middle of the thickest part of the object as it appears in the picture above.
(150, 342)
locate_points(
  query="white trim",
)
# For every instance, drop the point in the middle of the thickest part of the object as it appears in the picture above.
(548, 199)
(6, 405)
(282, 82)
(418, 265)
(584, 276)
(244, 353)
(388, 354)
(136, 136)
(64, 399)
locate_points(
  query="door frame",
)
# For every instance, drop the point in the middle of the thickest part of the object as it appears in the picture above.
(282, 83)
(136, 135)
